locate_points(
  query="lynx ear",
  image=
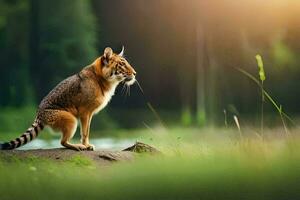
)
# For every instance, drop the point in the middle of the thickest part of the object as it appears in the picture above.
(122, 52)
(108, 52)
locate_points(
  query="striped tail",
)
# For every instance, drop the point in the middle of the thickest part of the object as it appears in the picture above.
(26, 137)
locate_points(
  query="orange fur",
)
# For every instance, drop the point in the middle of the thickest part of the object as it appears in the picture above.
(80, 97)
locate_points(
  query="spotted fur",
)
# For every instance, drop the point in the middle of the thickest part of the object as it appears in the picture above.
(79, 97)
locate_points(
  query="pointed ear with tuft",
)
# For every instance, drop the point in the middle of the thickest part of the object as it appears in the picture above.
(122, 52)
(108, 52)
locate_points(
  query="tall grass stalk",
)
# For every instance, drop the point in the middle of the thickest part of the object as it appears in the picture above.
(262, 77)
(283, 122)
(266, 94)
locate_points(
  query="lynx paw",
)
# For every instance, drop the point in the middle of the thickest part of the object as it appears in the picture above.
(90, 147)
(80, 147)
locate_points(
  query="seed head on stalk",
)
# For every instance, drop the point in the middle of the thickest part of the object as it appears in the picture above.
(261, 70)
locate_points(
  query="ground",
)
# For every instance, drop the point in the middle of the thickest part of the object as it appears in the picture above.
(99, 157)
(194, 164)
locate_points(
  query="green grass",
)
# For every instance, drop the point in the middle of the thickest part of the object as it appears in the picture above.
(197, 164)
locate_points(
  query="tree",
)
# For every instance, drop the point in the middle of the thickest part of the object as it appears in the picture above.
(14, 73)
(63, 39)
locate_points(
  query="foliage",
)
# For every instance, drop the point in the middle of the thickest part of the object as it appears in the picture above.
(42, 42)
(194, 169)
(16, 119)
(186, 117)
(66, 41)
(14, 72)
(283, 55)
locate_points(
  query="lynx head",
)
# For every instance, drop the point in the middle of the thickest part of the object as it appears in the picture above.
(115, 68)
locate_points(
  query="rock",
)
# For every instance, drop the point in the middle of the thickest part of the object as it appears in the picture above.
(140, 147)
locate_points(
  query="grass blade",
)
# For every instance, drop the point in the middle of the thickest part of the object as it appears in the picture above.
(281, 113)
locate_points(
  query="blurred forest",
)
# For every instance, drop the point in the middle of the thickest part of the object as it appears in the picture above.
(185, 52)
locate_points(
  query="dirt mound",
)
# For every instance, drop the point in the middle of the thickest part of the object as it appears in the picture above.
(100, 156)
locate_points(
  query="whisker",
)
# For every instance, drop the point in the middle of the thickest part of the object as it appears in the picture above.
(126, 90)
(123, 89)
(138, 84)
(155, 113)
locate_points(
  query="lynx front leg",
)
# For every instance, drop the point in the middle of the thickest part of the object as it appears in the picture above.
(85, 131)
